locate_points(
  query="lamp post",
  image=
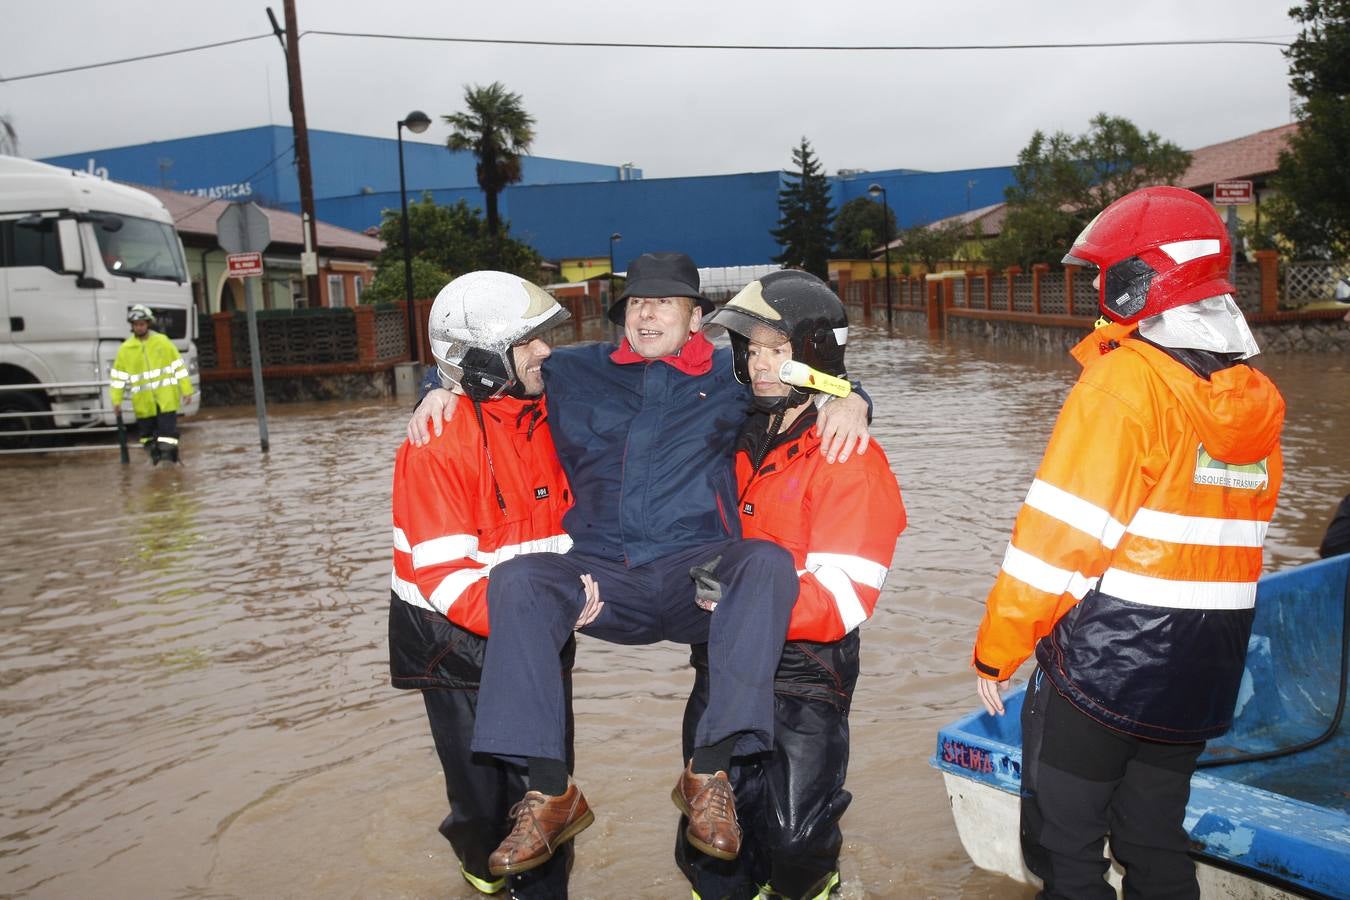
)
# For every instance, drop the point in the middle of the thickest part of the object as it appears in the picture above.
(874, 190)
(416, 122)
(612, 238)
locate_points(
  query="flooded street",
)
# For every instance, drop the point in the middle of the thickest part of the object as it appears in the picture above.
(193, 667)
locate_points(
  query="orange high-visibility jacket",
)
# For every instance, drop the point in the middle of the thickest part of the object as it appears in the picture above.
(840, 521)
(459, 509)
(1133, 563)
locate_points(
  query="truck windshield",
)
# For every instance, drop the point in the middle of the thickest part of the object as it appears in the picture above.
(142, 248)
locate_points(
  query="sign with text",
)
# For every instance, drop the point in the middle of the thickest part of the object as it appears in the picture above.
(1232, 193)
(244, 265)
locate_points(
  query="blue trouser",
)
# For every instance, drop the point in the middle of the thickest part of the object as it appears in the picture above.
(789, 802)
(534, 601)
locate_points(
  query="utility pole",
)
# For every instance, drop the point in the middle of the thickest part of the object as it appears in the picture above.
(301, 132)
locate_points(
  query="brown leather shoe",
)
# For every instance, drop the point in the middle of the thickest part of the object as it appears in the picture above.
(711, 807)
(543, 824)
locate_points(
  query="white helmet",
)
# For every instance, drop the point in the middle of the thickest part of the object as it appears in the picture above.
(140, 313)
(477, 319)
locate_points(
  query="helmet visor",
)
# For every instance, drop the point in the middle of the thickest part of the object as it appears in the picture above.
(749, 325)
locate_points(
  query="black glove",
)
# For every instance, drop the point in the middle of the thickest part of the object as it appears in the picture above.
(707, 589)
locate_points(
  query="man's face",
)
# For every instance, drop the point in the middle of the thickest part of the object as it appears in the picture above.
(140, 327)
(660, 326)
(768, 351)
(528, 357)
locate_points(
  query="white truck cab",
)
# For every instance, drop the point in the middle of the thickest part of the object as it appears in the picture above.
(76, 252)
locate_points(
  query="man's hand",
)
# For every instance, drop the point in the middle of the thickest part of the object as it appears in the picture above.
(707, 589)
(991, 693)
(842, 425)
(591, 610)
(436, 407)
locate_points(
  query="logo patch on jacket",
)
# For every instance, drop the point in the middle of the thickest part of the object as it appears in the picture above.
(541, 493)
(1208, 470)
(747, 509)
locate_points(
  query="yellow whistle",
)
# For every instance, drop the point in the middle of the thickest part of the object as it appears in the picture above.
(801, 375)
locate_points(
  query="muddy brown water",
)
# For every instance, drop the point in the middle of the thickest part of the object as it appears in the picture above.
(193, 666)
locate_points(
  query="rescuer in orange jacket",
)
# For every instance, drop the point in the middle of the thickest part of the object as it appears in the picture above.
(840, 522)
(488, 488)
(1132, 569)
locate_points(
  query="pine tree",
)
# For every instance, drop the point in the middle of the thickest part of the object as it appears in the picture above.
(804, 215)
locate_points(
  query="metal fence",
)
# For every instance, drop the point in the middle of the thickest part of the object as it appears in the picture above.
(26, 414)
(1314, 282)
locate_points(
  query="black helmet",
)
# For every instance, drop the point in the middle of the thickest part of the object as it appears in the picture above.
(797, 305)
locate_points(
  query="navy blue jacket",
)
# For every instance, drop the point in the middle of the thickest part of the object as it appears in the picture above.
(648, 451)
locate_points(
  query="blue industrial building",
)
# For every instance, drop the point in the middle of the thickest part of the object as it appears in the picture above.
(563, 208)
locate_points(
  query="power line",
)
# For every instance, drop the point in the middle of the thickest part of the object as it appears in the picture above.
(118, 62)
(800, 47)
(642, 45)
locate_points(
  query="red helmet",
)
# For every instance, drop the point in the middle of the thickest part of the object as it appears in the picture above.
(1156, 248)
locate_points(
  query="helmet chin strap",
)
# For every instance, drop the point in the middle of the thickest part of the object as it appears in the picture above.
(780, 405)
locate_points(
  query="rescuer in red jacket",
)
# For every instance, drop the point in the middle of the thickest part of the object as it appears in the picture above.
(840, 522)
(1132, 569)
(486, 489)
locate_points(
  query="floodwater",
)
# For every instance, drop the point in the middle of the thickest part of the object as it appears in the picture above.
(193, 667)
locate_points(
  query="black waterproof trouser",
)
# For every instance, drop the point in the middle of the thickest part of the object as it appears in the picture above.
(159, 436)
(789, 801)
(445, 661)
(1082, 781)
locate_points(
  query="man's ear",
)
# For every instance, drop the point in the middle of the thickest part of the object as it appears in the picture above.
(696, 319)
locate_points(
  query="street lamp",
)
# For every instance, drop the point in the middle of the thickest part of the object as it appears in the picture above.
(612, 238)
(416, 122)
(874, 190)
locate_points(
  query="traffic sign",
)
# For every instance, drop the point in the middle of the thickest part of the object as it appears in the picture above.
(244, 265)
(1232, 193)
(243, 227)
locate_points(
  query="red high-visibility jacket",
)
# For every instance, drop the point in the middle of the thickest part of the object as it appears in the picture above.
(839, 520)
(460, 507)
(1135, 557)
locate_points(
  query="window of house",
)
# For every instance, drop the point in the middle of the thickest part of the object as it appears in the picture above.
(358, 285)
(337, 292)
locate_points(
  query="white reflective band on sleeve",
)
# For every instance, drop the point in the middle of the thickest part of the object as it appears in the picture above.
(851, 611)
(1044, 577)
(1149, 523)
(453, 586)
(1076, 512)
(1149, 591)
(408, 593)
(444, 549)
(401, 540)
(859, 569)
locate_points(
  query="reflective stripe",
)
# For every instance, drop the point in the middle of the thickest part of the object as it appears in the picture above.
(1076, 512)
(168, 440)
(464, 546)
(1179, 529)
(851, 610)
(453, 586)
(1150, 591)
(1044, 577)
(1185, 251)
(444, 549)
(481, 886)
(858, 568)
(408, 592)
(401, 540)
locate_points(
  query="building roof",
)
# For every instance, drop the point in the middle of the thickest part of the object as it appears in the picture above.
(1253, 156)
(990, 219)
(196, 216)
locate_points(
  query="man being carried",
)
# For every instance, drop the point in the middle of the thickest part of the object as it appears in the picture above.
(646, 433)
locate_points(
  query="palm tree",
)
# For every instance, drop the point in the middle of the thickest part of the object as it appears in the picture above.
(498, 130)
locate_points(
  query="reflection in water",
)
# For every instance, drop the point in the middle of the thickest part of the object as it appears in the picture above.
(194, 680)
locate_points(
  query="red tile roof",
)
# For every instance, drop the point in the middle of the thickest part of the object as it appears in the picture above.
(1252, 156)
(197, 216)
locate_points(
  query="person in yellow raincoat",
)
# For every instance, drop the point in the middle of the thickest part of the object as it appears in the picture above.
(150, 369)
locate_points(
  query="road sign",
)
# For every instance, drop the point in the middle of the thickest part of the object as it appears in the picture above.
(242, 228)
(1232, 193)
(244, 265)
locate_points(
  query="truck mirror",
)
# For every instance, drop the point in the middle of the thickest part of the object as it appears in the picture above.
(72, 254)
(109, 222)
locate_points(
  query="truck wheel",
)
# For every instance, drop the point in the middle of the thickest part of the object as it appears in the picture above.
(14, 430)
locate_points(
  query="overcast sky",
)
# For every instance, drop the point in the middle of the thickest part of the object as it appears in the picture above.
(670, 112)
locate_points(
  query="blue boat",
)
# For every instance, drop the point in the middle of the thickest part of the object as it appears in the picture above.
(1265, 828)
